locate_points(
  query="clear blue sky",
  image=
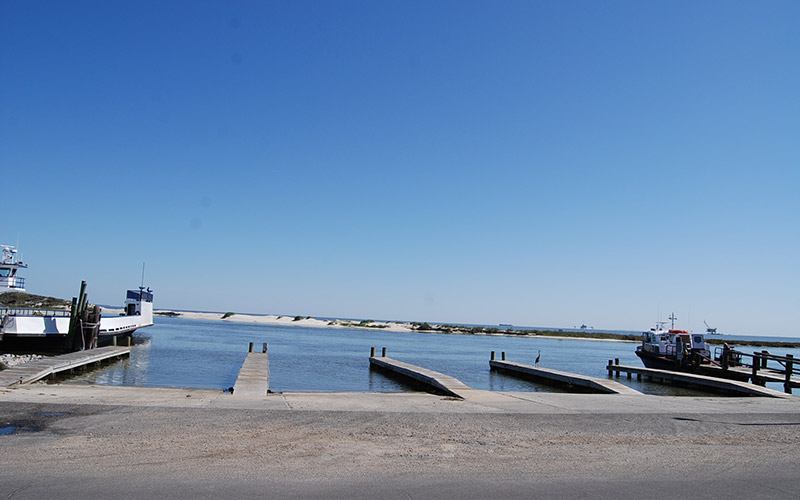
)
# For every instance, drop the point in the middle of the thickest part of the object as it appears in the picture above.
(537, 163)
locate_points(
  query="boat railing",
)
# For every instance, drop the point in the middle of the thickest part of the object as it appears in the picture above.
(760, 360)
(34, 311)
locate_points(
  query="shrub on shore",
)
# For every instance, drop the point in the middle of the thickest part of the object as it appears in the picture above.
(227, 315)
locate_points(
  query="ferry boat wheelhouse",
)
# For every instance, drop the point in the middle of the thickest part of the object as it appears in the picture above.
(9, 265)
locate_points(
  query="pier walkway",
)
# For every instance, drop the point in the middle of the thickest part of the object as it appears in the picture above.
(550, 376)
(436, 381)
(33, 371)
(703, 381)
(253, 379)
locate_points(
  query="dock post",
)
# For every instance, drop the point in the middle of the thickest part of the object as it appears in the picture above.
(383, 352)
(610, 368)
(130, 339)
(264, 348)
(503, 355)
(787, 385)
(251, 347)
(114, 341)
(492, 358)
(371, 352)
(756, 365)
(764, 355)
(616, 362)
(725, 356)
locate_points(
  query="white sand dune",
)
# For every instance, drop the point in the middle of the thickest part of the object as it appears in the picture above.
(272, 319)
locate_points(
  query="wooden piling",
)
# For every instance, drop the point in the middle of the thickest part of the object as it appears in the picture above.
(756, 366)
(371, 352)
(383, 352)
(492, 356)
(787, 385)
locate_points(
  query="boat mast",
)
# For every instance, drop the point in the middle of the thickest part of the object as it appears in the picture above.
(673, 318)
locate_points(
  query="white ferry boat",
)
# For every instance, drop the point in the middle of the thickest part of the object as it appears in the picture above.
(31, 326)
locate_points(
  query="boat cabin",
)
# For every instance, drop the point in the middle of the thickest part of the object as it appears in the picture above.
(674, 343)
(135, 299)
(9, 265)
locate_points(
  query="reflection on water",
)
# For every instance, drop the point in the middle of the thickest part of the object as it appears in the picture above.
(177, 352)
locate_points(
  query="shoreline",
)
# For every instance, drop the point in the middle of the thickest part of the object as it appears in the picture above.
(389, 326)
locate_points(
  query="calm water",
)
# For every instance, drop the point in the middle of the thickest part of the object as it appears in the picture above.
(178, 352)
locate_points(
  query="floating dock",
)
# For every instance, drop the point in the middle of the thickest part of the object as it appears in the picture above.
(433, 381)
(702, 381)
(253, 379)
(32, 371)
(549, 376)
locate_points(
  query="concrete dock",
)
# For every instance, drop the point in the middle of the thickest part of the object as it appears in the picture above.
(701, 381)
(253, 379)
(551, 376)
(435, 381)
(33, 371)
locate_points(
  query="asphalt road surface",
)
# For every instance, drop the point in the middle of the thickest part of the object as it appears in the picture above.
(59, 449)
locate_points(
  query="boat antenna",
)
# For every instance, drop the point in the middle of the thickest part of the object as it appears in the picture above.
(142, 275)
(673, 318)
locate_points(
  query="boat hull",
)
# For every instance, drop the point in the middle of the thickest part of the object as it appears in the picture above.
(661, 362)
(48, 330)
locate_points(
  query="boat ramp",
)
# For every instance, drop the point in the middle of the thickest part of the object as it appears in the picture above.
(444, 384)
(36, 370)
(253, 379)
(737, 387)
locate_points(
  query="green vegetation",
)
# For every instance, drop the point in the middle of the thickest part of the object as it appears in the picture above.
(754, 343)
(480, 330)
(297, 318)
(21, 299)
(227, 315)
(367, 323)
(168, 314)
(586, 335)
(483, 330)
